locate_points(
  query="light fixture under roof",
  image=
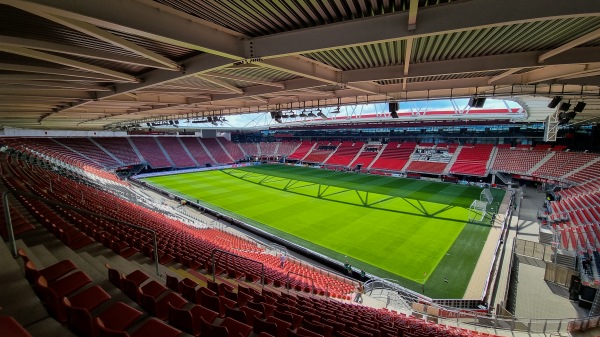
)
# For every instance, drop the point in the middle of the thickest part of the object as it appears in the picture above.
(303, 114)
(311, 114)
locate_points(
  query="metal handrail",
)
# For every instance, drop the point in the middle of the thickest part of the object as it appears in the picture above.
(214, 265)
(12, 235)
(289, 286)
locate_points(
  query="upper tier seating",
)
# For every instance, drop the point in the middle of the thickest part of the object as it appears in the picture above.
(320, 152)
(176, 151)
(345, 153)
(251, 149)
(301, 151)
(586, 174)
(120, 148)
(394, 156)
(268, 149)
(473, 160)
(151, 152)
(233, 149)
(562, 163)
(193, 145)
(286, 148)
(516, 161)
(90, 150)
(216, 151)
(366, 156)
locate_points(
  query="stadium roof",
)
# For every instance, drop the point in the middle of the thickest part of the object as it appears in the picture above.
(95, 64)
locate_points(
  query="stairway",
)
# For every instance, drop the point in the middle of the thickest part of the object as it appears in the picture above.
(453, 160)
(357, 155)
(377, 156)
(164, 152)
(106, 151)
(188, 152)
(135, 149)
(541, 162)
(207, 151)
(224, 149)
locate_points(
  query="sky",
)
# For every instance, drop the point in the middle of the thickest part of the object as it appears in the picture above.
(262, 119)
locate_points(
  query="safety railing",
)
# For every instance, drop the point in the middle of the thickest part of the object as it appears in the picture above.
(11, 233)
(220, 251)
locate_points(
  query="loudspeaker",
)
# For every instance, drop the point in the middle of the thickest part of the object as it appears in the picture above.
(394, 114)
(479, 102)
(564, 106)
(579, 107)
(554, 102)
(393, 107)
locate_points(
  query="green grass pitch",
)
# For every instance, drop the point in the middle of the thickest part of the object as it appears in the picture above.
(413, 231)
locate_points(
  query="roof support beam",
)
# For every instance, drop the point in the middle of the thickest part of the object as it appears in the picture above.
(221, 84)
(407, 54)
(52, 84)
(433, 20)
(243, 79)
(78, 51)
(474, 64)
(77, 75)
(105, 36)
(412, 15)
(138, 18)
(503, 75)
(579, 41)
(66, 62)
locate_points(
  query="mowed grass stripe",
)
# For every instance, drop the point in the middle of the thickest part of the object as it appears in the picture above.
(341, 214)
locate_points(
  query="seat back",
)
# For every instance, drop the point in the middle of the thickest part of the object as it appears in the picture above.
(103, 331)
(172, 283)
(182, 319)
(80, 320)
(189, 292)
(208, 329)
(114, 276)
(262, 326)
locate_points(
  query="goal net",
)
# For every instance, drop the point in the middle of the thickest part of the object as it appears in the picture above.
(477, 210)
(486, 196)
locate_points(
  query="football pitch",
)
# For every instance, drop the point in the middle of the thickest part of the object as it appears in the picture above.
(413, 231)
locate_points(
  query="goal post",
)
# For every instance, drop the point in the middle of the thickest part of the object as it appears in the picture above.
(477, 210)
(486, 196)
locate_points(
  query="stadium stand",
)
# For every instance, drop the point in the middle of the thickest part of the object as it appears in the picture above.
(321, 152)
(286, 148)
(151, 152)
(197, 150)
(174, 148)
(86, 148)
(394, 156)
(516, 161)
(252, 149)
(120, 148)
(472, 160)
(268, 149)
(562, 163)
(301, 151)
(345, 153)
(233, 149)
(216, 151)
(366, 156)
(427, 159)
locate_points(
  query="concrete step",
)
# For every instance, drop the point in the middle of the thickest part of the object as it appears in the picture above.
(62, 252)
(18, 298)
(49, 327)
